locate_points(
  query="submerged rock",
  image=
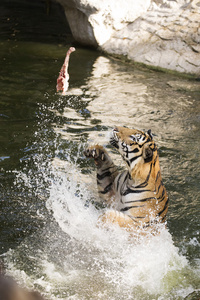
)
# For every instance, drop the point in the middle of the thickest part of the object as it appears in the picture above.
(161, 33)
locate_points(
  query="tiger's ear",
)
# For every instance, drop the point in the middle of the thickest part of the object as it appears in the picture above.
(147, 152)
(150, 134)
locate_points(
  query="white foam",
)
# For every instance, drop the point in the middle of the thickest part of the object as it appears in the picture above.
(90, 262)
(150, 264)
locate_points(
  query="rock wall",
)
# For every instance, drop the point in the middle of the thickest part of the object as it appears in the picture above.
(161, 33)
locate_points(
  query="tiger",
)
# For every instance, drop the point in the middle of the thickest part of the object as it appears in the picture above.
(136, 197)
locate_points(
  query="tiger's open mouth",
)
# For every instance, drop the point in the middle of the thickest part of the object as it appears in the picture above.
(114, 140)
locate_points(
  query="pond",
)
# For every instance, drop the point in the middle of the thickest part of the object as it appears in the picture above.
(48, 198)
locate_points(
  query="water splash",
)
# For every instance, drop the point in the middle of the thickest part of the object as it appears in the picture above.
(151, 265)
(72, 258)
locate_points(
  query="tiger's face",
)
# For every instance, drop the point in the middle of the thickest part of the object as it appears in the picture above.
(133, 144)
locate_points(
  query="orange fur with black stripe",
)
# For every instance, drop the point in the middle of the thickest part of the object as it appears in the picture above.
(137, 196)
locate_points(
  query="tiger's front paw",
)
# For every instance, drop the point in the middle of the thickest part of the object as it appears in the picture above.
(97, 152)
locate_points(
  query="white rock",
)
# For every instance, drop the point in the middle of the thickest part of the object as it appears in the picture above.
(163, 33)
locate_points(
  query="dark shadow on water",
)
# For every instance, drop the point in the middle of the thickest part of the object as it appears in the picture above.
(36, 21)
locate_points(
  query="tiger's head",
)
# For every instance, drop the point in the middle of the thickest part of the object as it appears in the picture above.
(133, 145)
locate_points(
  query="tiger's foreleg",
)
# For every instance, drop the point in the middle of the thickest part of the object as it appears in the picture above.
(106, 172)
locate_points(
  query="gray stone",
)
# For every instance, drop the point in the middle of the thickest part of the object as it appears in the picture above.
(161, 33)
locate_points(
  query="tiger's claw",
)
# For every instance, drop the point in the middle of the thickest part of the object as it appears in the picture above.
(97, 152)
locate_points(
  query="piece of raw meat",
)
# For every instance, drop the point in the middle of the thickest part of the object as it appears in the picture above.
(63, 78)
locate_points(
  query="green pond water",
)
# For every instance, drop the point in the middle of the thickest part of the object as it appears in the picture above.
(48, 212)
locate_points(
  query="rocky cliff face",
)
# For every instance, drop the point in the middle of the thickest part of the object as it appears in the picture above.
(161, 33)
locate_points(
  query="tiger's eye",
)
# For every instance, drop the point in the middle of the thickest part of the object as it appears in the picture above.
(133, 138)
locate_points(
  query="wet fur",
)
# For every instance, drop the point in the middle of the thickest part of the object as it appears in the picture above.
(137, 197)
